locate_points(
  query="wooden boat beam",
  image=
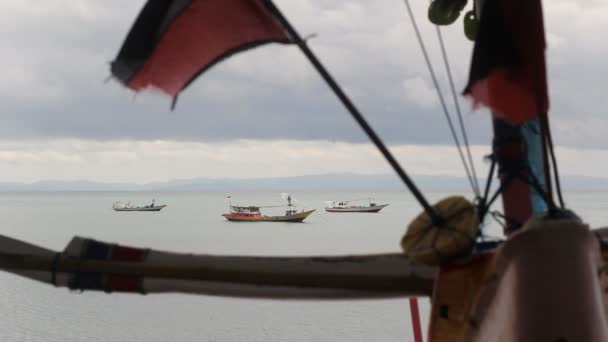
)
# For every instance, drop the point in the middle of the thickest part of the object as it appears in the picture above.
(320, 277)
(398, 283)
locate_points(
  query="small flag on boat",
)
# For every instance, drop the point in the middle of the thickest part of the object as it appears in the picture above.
(508, 71)
(173, 42)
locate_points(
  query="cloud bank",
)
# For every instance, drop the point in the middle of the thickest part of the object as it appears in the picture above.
(56, 55)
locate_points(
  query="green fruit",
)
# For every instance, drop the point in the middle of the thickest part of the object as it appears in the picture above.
(445, 12)
(471, 25)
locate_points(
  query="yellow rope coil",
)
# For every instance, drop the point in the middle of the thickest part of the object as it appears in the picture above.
(432, 244)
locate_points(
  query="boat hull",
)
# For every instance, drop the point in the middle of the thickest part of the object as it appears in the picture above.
(373, 209)
(545, 287)
(298, 217)
(155, 208)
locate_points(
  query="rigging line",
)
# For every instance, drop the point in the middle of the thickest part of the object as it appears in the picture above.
(482, 209)
(457, 107)
(441, 99)
(503, 185)
(533, 181)
(489, 179)
(496, 215)
(508, 220)
(545, 159)
(558, 186)
(354, 112)
(556, 173)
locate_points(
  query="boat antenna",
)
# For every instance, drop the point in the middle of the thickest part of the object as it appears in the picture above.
(354, 112)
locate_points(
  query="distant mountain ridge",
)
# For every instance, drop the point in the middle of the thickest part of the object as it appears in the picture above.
(333, 182)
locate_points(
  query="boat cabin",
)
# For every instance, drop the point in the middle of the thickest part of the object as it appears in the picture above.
(249, 210)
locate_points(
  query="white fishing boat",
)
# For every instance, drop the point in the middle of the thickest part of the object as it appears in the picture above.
(353, 207)
(119, 206)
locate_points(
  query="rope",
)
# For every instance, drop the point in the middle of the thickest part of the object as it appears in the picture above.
(497, 215)
(431, 227)
(463, 130)
(489, 179)
(482, 204)
(554, 162)
(503, 185)
(533, 181)
(545, 159)
(439, 94)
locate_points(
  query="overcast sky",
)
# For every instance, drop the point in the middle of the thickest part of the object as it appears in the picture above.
(266, 112)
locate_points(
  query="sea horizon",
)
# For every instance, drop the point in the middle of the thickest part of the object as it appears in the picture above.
(316, 182)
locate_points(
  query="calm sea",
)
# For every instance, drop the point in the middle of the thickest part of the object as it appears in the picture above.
(191, 222)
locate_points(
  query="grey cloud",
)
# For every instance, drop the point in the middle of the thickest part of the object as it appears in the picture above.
(57, 61)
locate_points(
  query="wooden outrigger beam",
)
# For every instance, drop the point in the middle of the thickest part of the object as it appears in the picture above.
(330, 277)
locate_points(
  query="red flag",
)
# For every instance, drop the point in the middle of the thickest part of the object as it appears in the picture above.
(508, 71)
(174, 41)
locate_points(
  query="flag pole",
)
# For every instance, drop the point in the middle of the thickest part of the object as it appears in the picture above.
(354, 112)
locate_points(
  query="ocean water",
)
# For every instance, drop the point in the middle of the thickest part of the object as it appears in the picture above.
(191, 222)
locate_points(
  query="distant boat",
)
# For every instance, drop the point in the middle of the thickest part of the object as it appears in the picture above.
(253, 214)
(349, 207)
(119, 206)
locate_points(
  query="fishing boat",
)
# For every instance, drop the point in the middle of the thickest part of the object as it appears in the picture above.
(351, 207)
(119, 206)
(544, 280)
(253, 214)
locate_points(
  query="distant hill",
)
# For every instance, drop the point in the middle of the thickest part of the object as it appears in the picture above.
(330, 182)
